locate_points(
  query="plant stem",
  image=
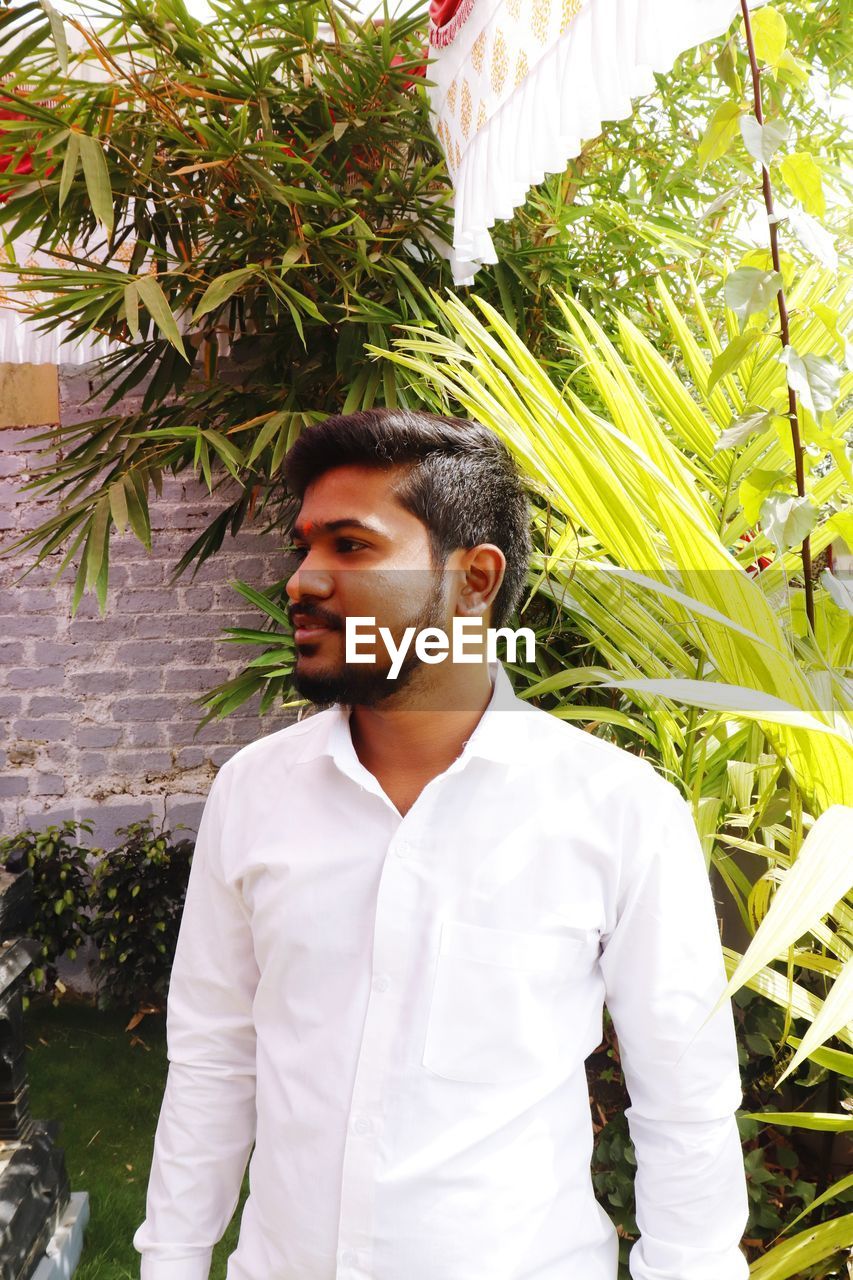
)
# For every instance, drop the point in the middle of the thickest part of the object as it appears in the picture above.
(805, 550)
(692, 715)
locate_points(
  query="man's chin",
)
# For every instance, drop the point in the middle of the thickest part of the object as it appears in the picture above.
(355, 686)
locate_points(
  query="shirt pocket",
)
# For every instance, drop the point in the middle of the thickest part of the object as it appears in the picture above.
(501, 1008)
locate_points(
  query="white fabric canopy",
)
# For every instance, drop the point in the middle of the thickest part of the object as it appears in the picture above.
(523, 83)
(517, 90)
(19, 341)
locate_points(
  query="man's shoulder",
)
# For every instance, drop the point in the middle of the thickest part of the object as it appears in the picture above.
(626, 798)
(285, 746)
(567, 744)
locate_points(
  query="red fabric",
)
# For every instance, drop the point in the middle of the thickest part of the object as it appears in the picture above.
(762, 562)
(25, 164)
(420, 70)
(441, 11)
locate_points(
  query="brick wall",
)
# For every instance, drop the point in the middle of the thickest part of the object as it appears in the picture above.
(98, 714)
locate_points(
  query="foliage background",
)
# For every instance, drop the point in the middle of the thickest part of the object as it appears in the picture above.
(285, 201)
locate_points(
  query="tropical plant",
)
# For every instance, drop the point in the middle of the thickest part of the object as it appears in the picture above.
(624, 348)
(267, 186)
(640, 550)
(61, 878)
(137, 896)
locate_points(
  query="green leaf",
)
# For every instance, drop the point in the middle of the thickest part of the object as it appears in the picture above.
(731, 357)
(749, 291)
(57, 28)
(285, 440)
(770, 35)
(803, 178)
(264, 603)
(720, 133)
(812, 235)
(841, 524)
(816, 880)
(136, 493)
(755, 487)
(97, 178)
(738, 701)
(830, 318)
(69, 166)
(794, 69)
(815, 379)
(131, 307)
(836, 1059)
(80, 579)
(823, 1122)
(838, 589)
(270, 428)
(226, 450)
(118, 505)
(150, 292)
(831, 1192)
(749, 423)
(726, 65)
(221, 289)
(762, 141)
(787, 519)
(98, 534)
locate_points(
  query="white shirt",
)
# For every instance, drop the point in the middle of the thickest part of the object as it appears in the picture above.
(406, 1004)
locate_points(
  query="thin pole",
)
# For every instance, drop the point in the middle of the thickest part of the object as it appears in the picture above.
(793, 418)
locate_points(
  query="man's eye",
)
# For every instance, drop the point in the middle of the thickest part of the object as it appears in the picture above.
(343, 545)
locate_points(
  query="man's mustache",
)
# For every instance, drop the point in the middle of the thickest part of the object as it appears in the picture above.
(314, 613)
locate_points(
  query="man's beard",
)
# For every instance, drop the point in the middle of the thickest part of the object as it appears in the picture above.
(366, 685)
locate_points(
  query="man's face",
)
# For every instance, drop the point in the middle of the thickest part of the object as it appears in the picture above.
(360, 555)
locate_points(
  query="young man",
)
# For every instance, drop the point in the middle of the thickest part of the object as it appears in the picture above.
(403, 917)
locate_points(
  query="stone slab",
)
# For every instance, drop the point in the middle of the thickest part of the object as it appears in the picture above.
(66, 1245)
(34, 1194)
(16, 897)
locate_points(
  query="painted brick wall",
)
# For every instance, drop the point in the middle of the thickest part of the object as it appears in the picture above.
(98, 718)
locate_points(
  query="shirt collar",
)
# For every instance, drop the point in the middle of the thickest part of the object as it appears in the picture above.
(495, 736)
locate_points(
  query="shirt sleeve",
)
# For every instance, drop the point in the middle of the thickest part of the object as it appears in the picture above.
(663, 970)
(207, 1119)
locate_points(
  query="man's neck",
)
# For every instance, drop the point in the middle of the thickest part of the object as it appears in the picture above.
(406, 744)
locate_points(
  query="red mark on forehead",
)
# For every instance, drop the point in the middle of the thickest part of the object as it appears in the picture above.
(308, 526)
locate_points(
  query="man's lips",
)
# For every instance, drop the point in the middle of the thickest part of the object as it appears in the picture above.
(309, 627)
(310, 632)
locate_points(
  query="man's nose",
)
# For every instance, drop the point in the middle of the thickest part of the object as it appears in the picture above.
(309, 581)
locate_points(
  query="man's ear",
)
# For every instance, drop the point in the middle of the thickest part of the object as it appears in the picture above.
(483, 569)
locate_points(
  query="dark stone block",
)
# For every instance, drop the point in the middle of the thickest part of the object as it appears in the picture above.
(34, 1191)
(16, 897)
(34, 1188)
(16, 959)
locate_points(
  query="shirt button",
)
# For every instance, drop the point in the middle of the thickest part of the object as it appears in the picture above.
(348, 1258)
(403, 849)
(362, 1125)
(381, 983)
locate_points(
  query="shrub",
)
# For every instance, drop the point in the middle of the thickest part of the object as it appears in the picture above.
(137, 895)
(60, 893)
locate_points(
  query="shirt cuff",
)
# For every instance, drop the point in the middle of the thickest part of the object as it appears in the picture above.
(194, 1266)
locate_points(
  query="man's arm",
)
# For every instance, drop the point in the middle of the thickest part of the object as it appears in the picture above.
(207, 1120)
(663, 969)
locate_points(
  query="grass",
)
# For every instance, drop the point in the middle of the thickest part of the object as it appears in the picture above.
(104, 1087)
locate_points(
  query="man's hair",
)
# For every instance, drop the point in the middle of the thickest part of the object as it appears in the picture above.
(462, 482)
